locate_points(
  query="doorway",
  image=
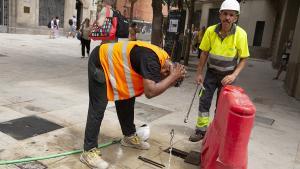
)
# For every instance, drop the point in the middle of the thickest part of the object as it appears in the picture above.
(49, 9)
(79, 13)
(213, 17)
(259, 31)
(3, 16)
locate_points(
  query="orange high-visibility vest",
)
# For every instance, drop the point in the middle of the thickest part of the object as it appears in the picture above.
(122, 82)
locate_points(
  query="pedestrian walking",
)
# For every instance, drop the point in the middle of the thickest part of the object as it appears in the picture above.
(85, 31)
(51, 28)
(120, 72)
(225, 49)
(56, 27)
(72, 24)
(103, 13)
(198, 39)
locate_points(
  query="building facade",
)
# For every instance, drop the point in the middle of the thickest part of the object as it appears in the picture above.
(33, 16)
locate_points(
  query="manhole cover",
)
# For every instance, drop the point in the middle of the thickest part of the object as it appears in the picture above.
(32, 165)
(146, 113)
(27, 127)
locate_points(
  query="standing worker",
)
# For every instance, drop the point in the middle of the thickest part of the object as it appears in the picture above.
(120, 72)
(225, 50)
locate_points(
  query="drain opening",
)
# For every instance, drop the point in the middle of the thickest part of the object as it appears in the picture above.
(192, 158)
(176, 152)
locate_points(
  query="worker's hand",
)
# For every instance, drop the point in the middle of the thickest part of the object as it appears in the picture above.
(199, 79)
(177, 71)
(228, 79)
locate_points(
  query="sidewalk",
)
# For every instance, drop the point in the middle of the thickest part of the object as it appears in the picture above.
(46, 77)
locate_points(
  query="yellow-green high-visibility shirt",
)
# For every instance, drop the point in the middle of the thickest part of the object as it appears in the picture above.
(224, 53)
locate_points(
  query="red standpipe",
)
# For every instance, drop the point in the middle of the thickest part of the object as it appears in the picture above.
(225, 145)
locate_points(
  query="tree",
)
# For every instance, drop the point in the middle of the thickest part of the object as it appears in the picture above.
(157, 22)
(156, 35)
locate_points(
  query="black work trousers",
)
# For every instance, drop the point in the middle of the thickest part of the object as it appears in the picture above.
(212, 82)
(97, 105)
(85, 44)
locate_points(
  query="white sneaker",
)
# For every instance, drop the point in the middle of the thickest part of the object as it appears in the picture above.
(92, 159)
(135, 142)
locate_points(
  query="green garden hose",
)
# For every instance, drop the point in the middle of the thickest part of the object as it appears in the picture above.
(23, 160)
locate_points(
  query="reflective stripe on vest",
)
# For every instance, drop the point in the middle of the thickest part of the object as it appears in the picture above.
(112, 76)
(222, 63)
(127, 70)
(202, 122)
(120, 73)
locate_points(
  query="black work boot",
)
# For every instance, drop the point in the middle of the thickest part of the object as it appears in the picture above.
(197, 136)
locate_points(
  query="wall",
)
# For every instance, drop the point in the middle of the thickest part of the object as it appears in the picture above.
(27, 19)
(69, 11)
(205, 12)
(292, 82)
(12, 16)
(287, 23)
(142, 9)
(20, 22)
(248, 20)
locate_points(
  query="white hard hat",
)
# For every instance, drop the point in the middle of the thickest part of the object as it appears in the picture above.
(230, 5)
(143, 132)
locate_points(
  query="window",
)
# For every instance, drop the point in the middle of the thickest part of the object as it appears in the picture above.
(26, 9)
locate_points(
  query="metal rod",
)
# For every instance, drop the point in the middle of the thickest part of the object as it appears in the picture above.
(151, 162)
(188, 113)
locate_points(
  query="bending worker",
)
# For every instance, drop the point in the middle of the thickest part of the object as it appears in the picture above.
(225, 50)
(120, 72)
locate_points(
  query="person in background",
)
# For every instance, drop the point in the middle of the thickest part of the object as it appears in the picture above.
(133, 30)
(72, 24)
(51, 29)
(85, 31)
(101, 14)
(56, 27)
(225, 50)
(106, 5)
(194, 39)
(198, 39)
